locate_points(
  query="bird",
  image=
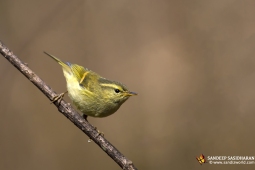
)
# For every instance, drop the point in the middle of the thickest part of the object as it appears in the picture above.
(92, 94)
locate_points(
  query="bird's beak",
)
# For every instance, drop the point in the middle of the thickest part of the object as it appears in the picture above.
(129, 93)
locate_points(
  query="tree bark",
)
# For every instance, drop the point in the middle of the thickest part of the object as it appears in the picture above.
(68, 111)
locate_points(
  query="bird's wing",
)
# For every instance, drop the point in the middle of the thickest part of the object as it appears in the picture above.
(85, 77)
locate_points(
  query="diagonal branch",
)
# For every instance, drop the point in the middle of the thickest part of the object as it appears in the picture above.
(68, 111)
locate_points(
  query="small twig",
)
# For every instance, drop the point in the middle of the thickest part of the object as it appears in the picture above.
(68, 111)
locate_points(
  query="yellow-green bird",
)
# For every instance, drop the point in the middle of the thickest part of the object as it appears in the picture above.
(92, 94)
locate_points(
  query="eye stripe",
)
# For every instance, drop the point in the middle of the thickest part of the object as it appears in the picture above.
(111, 85)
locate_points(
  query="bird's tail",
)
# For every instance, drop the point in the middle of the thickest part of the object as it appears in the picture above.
(66, 66)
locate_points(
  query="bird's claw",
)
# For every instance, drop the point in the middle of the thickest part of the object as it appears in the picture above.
(98, 133)
(58, 97)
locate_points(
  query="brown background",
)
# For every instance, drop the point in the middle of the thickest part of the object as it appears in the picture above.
(192, 63)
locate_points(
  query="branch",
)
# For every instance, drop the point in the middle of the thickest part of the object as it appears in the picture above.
(68, 111)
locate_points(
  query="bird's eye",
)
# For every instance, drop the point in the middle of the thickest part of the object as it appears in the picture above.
(116, 90)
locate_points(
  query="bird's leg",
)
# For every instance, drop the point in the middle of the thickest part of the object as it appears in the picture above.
(58, 97)
(85, 117)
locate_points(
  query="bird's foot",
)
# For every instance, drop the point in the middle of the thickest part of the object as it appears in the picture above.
(98, 133)
(58, 97)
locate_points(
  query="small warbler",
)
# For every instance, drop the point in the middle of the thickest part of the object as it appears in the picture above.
(92, 94)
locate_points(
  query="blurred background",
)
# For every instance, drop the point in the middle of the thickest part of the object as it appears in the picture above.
(192, 63)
